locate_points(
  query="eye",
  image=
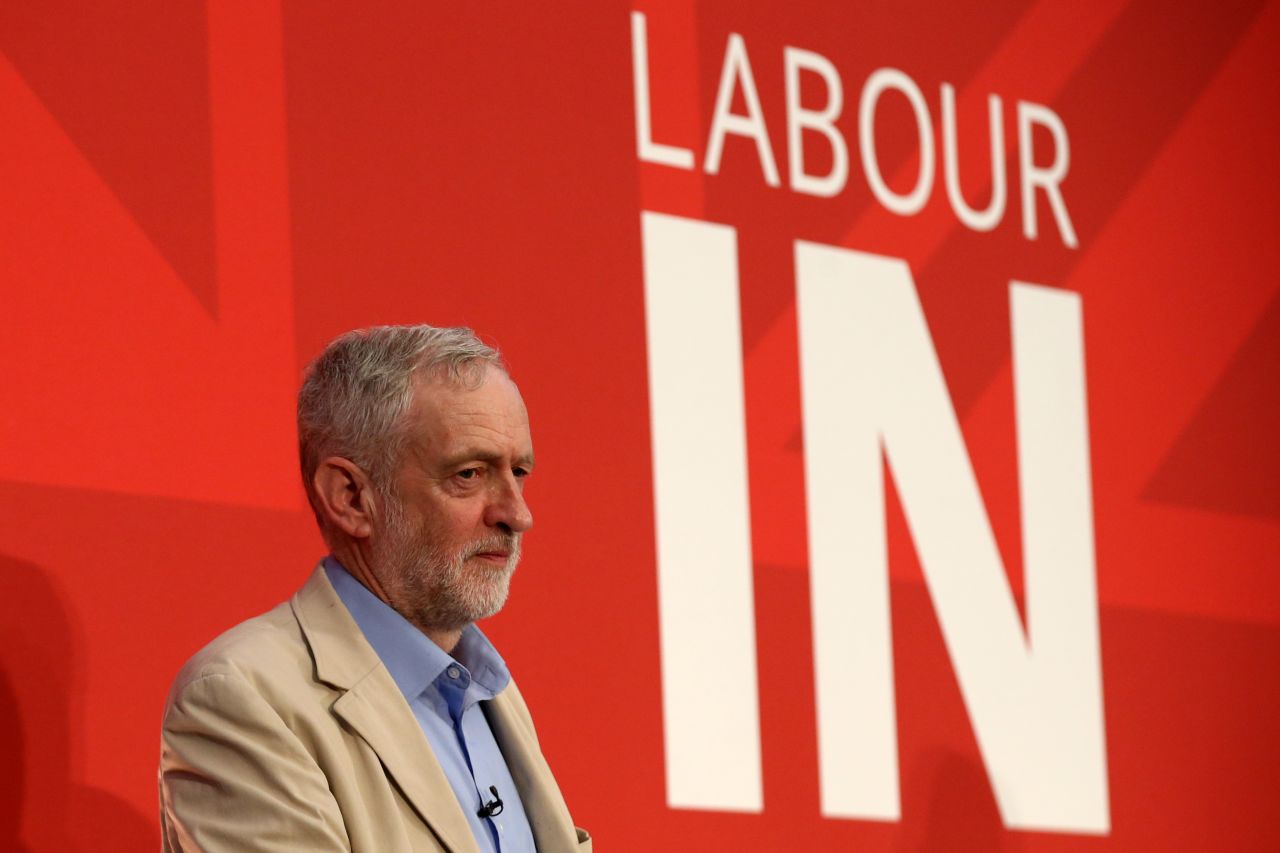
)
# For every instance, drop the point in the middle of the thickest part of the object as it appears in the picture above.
(520, 473)
(468, 474)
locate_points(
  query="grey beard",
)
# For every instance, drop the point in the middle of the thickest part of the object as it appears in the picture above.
(456, 597)
(437, 590)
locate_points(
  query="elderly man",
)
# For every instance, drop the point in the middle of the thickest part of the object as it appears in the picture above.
(369, 713)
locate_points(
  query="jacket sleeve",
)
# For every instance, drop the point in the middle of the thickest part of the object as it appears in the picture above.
(234, 777)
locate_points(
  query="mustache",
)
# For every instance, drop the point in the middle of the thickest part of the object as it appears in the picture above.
(508, 543)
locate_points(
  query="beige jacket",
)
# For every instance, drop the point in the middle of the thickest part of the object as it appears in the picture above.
(288, 733)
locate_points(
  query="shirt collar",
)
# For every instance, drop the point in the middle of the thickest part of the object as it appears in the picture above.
(413, 661)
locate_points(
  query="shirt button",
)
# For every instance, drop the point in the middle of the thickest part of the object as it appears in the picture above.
(453, 672)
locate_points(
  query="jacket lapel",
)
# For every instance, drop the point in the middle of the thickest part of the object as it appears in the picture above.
(543, 804)
(378, 713)
(373, 707)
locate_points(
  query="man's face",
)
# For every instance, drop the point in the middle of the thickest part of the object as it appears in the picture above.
(450, 540)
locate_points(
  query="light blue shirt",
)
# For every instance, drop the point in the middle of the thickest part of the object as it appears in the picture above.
(445, 693)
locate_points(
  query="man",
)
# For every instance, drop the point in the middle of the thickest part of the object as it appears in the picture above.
(368, 713)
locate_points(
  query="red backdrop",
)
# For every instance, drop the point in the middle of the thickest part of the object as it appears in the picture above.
(196, 199)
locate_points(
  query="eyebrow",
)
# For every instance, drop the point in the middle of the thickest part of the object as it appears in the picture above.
(473, 453)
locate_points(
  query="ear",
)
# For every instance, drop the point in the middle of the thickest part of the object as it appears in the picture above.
(346, 496)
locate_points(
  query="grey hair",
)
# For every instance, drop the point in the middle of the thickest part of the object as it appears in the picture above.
(356, 394)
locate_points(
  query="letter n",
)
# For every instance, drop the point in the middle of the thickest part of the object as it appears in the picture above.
(872, 384)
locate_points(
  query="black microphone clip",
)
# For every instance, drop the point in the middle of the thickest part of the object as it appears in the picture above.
(493, 807)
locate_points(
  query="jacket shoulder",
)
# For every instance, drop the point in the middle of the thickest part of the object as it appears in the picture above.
(260, 651)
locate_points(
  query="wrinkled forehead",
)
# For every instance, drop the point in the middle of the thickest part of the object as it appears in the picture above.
(450, 423)
(442, 398)
(450, 381)
(466, 376)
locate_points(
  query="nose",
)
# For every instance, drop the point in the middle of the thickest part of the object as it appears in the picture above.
(507, 509)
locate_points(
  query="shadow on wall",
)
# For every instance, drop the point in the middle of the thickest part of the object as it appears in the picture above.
(955, 794)
(42, 806)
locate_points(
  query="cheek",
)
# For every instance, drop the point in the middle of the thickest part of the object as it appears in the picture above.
(457, 522)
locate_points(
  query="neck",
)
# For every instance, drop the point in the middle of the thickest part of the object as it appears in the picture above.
(447, 640)
(355, 560)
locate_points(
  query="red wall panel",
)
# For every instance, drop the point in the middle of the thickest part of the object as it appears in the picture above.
(196, 199)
